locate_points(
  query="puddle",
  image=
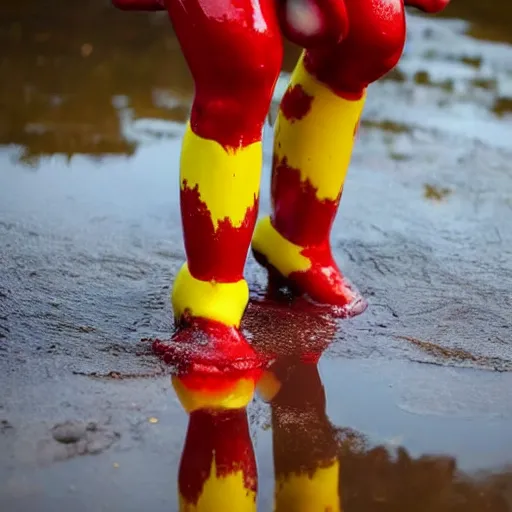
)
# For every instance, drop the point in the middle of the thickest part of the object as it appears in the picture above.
(91, 119)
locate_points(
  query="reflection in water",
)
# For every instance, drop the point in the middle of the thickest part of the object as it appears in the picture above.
(317, 466)
(218, 467)
(305, 445)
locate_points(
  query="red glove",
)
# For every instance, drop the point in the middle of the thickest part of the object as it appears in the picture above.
(430, 6)
(310, 23)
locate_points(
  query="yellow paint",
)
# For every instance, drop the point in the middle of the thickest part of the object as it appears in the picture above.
(222, 494)
(309, 493)
(268, 386)
(282, 254)
(222, 302)
(236, 396)
(320, 144)
(228, 180)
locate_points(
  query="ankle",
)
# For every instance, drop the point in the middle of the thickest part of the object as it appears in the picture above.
(279, 252)
(219, 302)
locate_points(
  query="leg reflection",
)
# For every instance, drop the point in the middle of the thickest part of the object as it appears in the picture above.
(305, 448)
(218, 467)
(305, 444)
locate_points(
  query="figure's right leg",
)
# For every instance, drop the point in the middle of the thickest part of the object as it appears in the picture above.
(234, 52)
(314, 135)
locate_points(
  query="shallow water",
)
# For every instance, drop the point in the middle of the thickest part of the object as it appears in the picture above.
(91, 116)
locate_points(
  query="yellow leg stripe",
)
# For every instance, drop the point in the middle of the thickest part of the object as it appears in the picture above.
(237, 396)
(222, 494)
(309, 493)
(221, 302)
(228, 181)
(281, 254)
(320, 144)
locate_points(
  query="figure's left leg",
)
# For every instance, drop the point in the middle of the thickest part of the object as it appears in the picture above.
(314, 136)
(218, 468)
(234, 53)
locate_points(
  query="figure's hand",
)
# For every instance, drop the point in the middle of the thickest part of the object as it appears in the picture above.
(140, 5)
(310, 23)
(430, 6)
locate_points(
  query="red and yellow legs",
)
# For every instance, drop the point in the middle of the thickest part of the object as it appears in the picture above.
(234, 52)
(314, 136)
(219, 202)
(218, 468)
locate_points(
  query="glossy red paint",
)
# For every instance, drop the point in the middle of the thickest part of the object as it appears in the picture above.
(372, 48)
(208, 348)
(323, 283)
(234, 52)
(326, 21)
(297, 213)
(296, 103)
(223, 435)
(214, 254)
(430, 6)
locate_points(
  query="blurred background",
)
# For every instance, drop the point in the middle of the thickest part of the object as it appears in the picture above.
(64, 64)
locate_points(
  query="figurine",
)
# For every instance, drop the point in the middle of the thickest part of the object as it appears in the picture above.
(234, 52)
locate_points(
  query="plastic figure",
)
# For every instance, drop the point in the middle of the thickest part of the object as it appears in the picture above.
(234, 51)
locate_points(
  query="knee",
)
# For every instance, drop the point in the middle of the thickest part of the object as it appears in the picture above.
(248, 66)
(379, 34)
(234, 91)
(234, 52)
(234, 86)
(373, 47)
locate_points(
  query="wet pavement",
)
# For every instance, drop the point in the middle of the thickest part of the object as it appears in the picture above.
(92, 105)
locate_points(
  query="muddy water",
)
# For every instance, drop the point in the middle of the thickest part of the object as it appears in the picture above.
(417, 390)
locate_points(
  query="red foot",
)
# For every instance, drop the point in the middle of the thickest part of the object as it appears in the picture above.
(208, 347)
(323, 283)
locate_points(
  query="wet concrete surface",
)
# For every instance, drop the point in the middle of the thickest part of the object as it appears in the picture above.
(90, 127)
